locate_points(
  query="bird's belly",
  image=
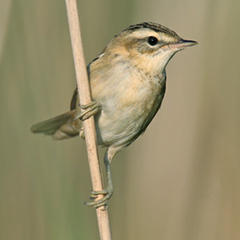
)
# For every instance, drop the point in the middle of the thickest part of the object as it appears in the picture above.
(128, 103)
(123, 119)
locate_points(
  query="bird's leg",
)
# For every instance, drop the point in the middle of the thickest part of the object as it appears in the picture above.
(108, 191)
(87, 111)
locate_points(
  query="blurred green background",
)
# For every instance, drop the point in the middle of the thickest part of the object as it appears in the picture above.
(180, 180)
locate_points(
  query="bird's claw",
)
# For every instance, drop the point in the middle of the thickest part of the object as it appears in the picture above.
(87, 111)
(103, 201)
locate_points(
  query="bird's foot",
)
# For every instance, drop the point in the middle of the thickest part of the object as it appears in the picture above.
(108, 192)
(87, 111)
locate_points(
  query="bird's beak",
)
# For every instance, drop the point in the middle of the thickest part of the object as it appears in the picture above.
(181, 44)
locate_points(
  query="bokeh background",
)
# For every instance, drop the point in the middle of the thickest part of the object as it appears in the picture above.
(180, 180)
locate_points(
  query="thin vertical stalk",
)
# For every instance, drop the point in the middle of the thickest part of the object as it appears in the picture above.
(89, 127)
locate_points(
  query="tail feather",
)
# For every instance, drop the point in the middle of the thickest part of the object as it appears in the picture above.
(61, 127)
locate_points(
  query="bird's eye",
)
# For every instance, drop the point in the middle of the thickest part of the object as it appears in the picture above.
(152, 41)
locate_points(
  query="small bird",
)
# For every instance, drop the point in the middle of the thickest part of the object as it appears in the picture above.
(128, 82)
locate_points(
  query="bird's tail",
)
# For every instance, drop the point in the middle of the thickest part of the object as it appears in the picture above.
(60, 127)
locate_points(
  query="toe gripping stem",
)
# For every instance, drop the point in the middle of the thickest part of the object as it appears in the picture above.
(87, 111)
(107, 192)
